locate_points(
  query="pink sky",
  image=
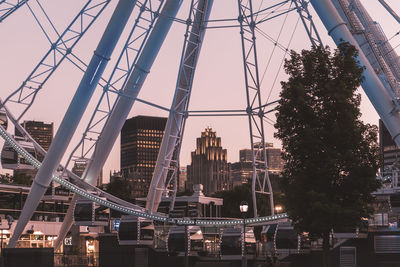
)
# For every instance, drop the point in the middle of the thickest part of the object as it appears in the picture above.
(218, 81)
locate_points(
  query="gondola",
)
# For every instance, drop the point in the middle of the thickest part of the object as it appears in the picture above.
(135, 231)
(177, 238)
(89, 213)
(231, 243)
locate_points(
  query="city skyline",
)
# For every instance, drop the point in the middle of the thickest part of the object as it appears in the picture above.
(209, 77)
(240, 203)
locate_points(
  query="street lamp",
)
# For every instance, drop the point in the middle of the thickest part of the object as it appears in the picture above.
(278, 208)
(243, 209)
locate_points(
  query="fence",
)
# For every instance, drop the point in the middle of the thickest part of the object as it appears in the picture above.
(61, 260)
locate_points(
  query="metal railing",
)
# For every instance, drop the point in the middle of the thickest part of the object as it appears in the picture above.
(63, 260)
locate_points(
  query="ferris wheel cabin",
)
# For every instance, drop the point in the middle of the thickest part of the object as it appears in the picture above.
(177, 238)
(10, 158)
(89, 213)
(231, 243)
(135, 231)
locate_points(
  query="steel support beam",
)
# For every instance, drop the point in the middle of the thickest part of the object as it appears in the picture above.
(126, 100)
(385, 105)
(149, 11)
(306, 18)
(7, 8)
(390, 10)
(131, 90)
(260, 182)
(74, 113)
(168, 156)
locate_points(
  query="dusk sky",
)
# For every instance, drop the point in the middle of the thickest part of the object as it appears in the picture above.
(218, 83)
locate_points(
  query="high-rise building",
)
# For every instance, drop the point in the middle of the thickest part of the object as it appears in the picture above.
(141, 138)
(209, 165)
(242, 171)
(274, 160)
(42, 133)
(245, 155)
(390, 152)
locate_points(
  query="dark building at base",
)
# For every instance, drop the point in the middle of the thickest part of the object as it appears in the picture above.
(141, 138)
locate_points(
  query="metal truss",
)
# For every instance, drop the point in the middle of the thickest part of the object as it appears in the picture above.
(8, 7)
(270, 12)
(390, 10)
(112, 89)
(306, 18)
(59, 50)
(168, 156)
(260, 182)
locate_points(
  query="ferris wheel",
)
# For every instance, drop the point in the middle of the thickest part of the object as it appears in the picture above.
(142, 27)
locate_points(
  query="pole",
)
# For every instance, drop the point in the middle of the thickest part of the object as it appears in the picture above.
(1, 242)
(187, 246)
(244, 260)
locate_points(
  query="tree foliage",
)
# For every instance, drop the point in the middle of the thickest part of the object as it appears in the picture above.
(331, 157)
(120, 188)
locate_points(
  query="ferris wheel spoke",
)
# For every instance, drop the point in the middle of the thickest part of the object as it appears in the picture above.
(7, 7)
(168, 155)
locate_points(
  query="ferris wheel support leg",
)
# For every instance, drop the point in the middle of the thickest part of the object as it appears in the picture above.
(384, 104)
(74, 113)
(124, 104)
(168, 155)
(131, 90)
(67, 223)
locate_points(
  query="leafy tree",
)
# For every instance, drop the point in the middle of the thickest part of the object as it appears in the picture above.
(120, 188)
(331, 156)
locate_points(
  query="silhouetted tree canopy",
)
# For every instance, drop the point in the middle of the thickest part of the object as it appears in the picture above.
(331, 157)
(120, 188)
